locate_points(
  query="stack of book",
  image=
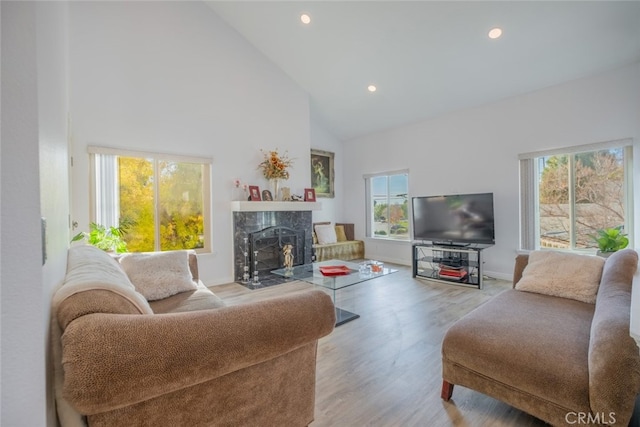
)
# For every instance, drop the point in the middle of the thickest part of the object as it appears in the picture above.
(450, 272)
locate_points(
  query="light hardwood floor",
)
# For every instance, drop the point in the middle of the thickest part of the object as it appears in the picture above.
(384, 369)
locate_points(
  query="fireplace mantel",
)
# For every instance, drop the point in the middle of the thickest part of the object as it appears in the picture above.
(239, 206)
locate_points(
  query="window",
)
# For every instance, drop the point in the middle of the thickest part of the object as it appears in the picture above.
(569, 194)
(388, 205)
(162, 200)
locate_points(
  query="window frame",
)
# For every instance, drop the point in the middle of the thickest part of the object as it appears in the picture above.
(369, 205)
(156, 157)
(529, 201)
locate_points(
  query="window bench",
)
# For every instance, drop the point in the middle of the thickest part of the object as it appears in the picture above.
(346, 251)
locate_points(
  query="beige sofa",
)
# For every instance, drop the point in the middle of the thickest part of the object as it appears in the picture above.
(555, 358)
(188, 359)
(346, 250)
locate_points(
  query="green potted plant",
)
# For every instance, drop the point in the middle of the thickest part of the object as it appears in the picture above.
(110, 239)
(610, 240)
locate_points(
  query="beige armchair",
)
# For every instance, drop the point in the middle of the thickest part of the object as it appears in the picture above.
(552, 357)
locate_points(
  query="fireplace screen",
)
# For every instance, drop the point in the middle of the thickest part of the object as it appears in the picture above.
(266, 247)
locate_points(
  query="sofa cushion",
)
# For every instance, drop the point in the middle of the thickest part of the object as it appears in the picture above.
(533, 343)
(340, 235)
(614, 361)
(158, 275)
(200, 299)
(562, 274)
(349, 230)
(326, 234)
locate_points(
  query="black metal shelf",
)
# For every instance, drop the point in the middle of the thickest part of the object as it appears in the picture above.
(455, 265)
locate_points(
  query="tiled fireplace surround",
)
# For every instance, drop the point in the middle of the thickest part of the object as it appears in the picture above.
(252, 217)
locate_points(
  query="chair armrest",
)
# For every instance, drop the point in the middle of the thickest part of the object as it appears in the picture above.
(114, 360)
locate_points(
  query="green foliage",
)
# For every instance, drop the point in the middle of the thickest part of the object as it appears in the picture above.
(611, 239)
(105, 238)
(179, 205)
(397, 229)
(380, 212)
(380, 233)
(136, 179)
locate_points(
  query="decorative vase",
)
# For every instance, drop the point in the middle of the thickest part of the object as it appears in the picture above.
(275, 185)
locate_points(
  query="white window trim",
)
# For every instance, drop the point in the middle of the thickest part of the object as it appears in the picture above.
(529, 232)
(111, 151)
(369, 213)
(123, 152)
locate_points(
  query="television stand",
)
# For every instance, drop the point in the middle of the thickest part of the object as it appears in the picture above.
(451, 245)
(459, 265)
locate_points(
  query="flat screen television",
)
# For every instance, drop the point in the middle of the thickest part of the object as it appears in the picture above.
(456, 219)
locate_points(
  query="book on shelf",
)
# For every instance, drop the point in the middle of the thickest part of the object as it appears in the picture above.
(457, 272)
(453, 275)
(450, 267)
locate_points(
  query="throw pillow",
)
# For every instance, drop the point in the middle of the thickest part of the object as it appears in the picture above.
(562, 274)
(158, 275)
(340, 235)
(326, 234)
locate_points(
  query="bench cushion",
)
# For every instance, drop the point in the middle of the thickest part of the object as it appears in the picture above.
(326, 234)
(345, 251)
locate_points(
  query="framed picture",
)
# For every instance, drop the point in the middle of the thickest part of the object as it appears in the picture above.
(322, 179)
(266, 195)
(309, 195)
(254, 193)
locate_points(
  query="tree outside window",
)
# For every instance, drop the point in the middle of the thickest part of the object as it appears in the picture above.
(578, 194)
(389, 206)
(162, 202)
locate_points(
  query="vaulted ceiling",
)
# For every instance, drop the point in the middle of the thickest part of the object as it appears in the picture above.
(427, 58)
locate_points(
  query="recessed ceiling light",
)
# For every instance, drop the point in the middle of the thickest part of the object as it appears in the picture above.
(372, 88)
(494, 33)
(305, 18)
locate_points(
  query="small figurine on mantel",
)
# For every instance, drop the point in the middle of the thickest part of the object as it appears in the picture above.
(287, 250)
(286, 194)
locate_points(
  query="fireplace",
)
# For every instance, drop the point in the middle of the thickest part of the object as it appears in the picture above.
(265, 247)
(267, 231)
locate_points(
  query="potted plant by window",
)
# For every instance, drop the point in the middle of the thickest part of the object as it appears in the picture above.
(110, 239)
(610, 240)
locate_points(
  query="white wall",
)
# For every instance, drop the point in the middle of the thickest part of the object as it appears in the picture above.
(52, 47)
(23, 305)
(332, 208)
(173, 77)
(475, 150)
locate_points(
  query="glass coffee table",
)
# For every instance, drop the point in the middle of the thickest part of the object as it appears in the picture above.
(311, 273)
